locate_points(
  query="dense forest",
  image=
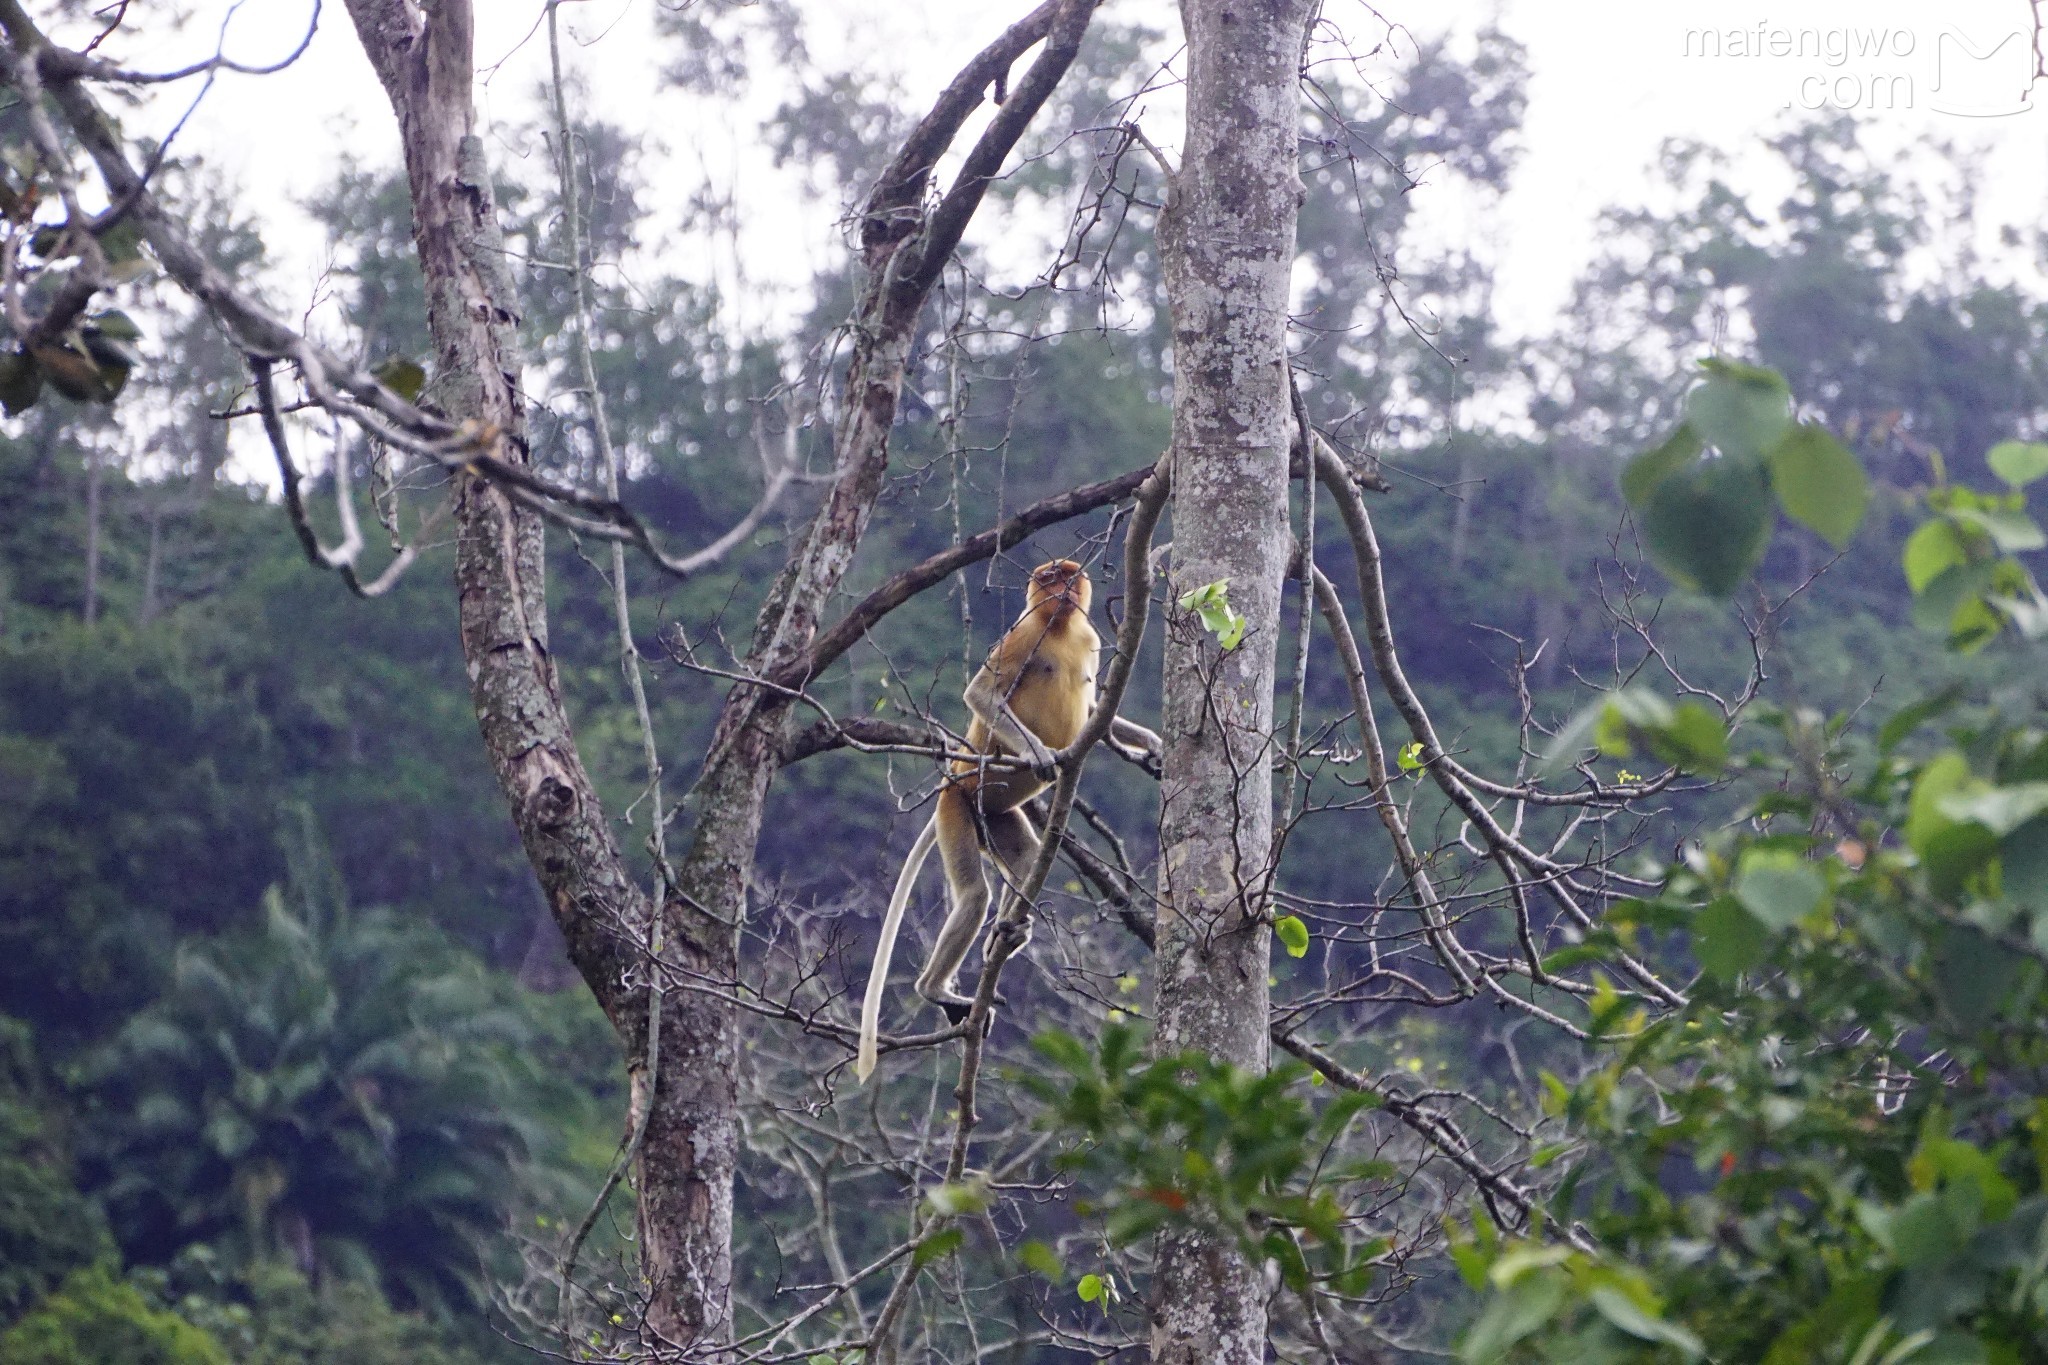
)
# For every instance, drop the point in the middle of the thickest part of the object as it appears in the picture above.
(295, 1066)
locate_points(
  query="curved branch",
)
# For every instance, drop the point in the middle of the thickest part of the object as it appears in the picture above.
(900, 588)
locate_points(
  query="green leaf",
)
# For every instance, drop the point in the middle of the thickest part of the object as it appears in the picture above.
(2023, 859)
(115, 323)
(955, 1200)
(403, 376)
(1973, 973)
(1778, 886)
(21, 383)
(2011, 531)
(1293, 935)
(1944, 775)
(1819, 483)
(2019, 463)
(1924, 1231)
(1727, 939)
(1409, 757)
(941, 1243)
(1641, 475)
(1950, 849)
(1041, 1260)
(1090, 1288)
(1999, 809)
(1211, 602)
(1931, 551)
(1909, 718)
(1513, 1315)
(1632, 1318)
(1707, 526)
(1741, 410)
(1944, 605)
(1693, 741)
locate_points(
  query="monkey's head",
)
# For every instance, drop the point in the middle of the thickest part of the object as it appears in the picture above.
(1063, 583)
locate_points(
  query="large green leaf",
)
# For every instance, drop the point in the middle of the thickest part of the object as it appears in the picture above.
(2023, 857)
(1999, 809)
(1819, 483)
(2011, 531)
(1740, 409)
(1972, 974)
(1728, 940)
(1778, 886)
(1640, 477)
(1931, 551)
(1707, 526)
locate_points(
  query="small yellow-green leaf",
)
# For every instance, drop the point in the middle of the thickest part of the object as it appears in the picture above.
(1041, 1260)
(403, 376)
(1089, 1289)
(940, 1243)
(1293, 935)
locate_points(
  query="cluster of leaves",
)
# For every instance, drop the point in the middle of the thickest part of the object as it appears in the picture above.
(1707, 495)
(1185, 1140)
(1837, 1151)
(1211, 602)
(87, 358)
(1683, 735)
(1960, 565)
(98, 1317)
(338, 1088)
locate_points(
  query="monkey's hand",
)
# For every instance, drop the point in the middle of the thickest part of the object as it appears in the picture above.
(1135, 744)
(1045, 764)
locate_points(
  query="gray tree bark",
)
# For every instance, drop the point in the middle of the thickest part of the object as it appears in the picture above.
(689, 1150)
(1227, 242)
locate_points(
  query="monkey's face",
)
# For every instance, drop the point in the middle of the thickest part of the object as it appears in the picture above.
(1064, 582)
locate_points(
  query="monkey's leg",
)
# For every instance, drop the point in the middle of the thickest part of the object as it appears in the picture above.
(1014, 841)
(966, 894)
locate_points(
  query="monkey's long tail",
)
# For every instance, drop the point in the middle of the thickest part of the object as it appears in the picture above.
(878, 975)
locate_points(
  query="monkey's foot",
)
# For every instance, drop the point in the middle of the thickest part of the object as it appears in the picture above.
(957, 1008)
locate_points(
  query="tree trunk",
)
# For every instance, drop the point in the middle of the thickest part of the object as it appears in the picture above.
(1227, 241)
(423, 56)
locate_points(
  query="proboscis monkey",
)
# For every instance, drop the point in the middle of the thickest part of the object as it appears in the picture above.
(1030, 699)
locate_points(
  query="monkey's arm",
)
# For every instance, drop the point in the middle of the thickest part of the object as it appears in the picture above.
(985, 698)
(1133, 740)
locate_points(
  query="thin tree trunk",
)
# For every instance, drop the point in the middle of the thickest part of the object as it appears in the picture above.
(1227, 241)
(152, 567)
(423, 56)
(92, 537)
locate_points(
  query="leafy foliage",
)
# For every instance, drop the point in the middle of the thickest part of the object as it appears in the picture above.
(337, 1090)
(97, 1318)
(1838, 1149)
(1185, 1140)
(1707, 517)
(46, 1230)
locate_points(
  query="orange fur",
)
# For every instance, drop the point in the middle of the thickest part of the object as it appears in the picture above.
(1040, 677)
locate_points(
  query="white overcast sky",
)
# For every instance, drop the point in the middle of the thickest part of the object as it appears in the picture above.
(1610, 79)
